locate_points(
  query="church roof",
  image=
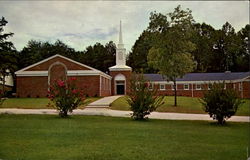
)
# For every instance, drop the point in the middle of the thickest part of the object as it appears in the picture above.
(202, 76)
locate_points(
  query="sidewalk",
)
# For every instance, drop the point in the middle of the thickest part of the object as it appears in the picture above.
(103, 102)
(116, 113)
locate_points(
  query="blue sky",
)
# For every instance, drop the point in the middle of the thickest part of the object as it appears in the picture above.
(83, 23)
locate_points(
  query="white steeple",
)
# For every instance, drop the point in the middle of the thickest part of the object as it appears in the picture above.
(120, 55)
(120, 44)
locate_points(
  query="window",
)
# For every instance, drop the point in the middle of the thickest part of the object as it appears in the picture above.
(209, 86)
(225, 86)
(198, 87)
(172, 86)
(162, 87)
(151, 86)
(186, 86)
(234, 85)
(240, 86)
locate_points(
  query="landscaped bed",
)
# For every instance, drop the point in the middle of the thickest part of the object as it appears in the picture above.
(36, 103)
(185, 105)
(42, 137)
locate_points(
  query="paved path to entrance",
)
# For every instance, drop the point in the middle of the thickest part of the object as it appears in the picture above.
(103, 102)
(116, 113)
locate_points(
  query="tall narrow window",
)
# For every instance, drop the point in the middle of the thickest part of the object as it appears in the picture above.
(162, 87)
(151, 86)
(186, 86)
(240, 86)
(198, 87)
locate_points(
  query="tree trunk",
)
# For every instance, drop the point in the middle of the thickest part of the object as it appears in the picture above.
(3, 89)
(175, 94)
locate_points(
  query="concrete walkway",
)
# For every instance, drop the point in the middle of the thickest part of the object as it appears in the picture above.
(116, 113)
(103, 102)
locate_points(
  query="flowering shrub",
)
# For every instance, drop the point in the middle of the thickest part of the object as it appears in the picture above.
(219, 103)
(142, 99)
(65, 96)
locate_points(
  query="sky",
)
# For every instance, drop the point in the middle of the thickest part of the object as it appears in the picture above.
(83, 23)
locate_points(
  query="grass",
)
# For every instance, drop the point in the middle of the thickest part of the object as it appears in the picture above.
(185, 105)
(42, 137)
(36, 103)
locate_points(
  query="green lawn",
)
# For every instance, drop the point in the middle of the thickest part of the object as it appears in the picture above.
(185, 105)
(35, 103)
(40, 137)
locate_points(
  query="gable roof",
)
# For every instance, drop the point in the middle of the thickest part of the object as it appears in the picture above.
(90, 71)
(202, 76)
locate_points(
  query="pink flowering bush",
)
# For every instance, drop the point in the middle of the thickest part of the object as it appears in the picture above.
(64, 96)
(141, 99)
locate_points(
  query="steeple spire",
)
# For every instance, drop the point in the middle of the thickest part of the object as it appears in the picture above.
(120, 44)
(120, 34)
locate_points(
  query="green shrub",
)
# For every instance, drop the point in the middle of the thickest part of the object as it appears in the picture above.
(65, 96)
(220, 103)
(141, 99)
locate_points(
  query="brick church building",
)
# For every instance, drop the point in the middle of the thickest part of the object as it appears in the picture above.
(34, 80)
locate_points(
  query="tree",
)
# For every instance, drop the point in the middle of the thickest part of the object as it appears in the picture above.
(36, 51)
(99, 56)
(141, 99)
(219, 103)
(171, 51)
(243, 58)
(203, 39)
(7, 54)
(137, 58)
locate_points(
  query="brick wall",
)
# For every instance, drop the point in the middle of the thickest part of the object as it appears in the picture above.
(32, 86)
(105, 86)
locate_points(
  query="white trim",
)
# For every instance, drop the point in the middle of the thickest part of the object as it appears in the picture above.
(52, 65)
(69, 73)
(201, 82)
(21, 72)
(192, 90)
(187, 87)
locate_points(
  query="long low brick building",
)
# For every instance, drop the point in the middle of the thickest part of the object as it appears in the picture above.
(34, 80)
(194, 84)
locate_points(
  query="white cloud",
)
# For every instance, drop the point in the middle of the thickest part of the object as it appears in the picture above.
(83, 23)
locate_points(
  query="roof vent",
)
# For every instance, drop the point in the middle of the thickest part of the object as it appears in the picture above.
(227, 71)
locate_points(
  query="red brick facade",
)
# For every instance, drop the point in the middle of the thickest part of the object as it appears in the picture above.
(34, 81)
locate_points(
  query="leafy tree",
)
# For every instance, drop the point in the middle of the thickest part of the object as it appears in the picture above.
(171, 51)
(203, 39)
(226, 49)
(243, 58)
(141, 99)
(36, 51)
(99, 56)
(219, 103)
(7, 54)
(137, 58)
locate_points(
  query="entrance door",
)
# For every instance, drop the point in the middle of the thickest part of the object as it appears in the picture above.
(120, 87)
